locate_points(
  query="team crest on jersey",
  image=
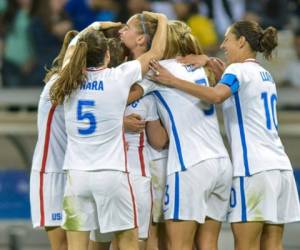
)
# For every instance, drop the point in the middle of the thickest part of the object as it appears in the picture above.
(190, 68)
(95, 85)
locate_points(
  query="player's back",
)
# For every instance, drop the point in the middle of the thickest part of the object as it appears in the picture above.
(94, 118)
(251, 121)
(192, 125)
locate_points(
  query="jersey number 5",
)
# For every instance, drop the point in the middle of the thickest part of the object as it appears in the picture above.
(86, 115)
(267, 104)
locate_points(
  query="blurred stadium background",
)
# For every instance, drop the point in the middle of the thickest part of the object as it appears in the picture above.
(31, 32)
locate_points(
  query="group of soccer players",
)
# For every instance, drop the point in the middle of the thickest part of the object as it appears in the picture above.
(129, 145)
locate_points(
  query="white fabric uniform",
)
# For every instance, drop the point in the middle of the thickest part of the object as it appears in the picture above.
(94, 122)
(203, 196)
(52, 135)
(192, 125)
(269, 196)
(47, 180)
(94, 118)
(194, 136)
(142, 187)
(250, 120)
(158, 169)
(251, 127)
(138, 161)
(104, 201)
(138, 158)
(46, 204)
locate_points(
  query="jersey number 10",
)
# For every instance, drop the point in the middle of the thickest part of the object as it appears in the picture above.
(270, 102)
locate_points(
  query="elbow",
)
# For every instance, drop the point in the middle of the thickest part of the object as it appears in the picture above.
(217, 99)
(159, 144)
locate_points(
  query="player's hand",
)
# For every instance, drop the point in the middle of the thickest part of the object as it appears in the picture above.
(196, 60)
(105, 25)
(217, 66)
(161, 74)
(134, 123)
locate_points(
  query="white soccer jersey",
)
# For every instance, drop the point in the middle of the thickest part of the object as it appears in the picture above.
(138, 159)
(94, 119)
(192, 125)
(51, 144)
(250, 119)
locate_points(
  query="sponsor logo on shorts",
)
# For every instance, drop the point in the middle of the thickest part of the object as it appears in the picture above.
(56, 216)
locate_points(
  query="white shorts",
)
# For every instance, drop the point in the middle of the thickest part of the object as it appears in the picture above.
(101, 200)
(199, 192)
(46, 198)
(158, 169)
(269, 196)
(142, 187)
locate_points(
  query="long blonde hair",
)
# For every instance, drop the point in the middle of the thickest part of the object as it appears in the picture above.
(181, 42)
(89, 52)
(58, 61)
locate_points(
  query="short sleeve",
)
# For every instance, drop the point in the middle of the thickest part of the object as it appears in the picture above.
(147, 85)
(231, 78)
(131, 72)
(152, 114)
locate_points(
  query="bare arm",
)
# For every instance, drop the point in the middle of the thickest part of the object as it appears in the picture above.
(157, 135)
(158, 43)
(135, 93)
(215, 64)
(213, 95)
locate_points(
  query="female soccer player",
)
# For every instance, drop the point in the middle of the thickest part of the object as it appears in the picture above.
(264, 195)
(47, 179)
(199, 170)
(143, 127)
(94, 98)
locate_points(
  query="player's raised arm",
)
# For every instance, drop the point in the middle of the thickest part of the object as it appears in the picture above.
(158, 43)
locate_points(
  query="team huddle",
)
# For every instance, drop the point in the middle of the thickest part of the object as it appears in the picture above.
(130, 155)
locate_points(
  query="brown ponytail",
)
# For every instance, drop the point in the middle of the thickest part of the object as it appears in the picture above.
(263, 41)
(89, 52)
(58, 61)
(71, 76)
(268, 42)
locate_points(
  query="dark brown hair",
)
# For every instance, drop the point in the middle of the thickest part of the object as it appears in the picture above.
(89, 52)
(117, 50)
(263, 41)
(58, 61)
